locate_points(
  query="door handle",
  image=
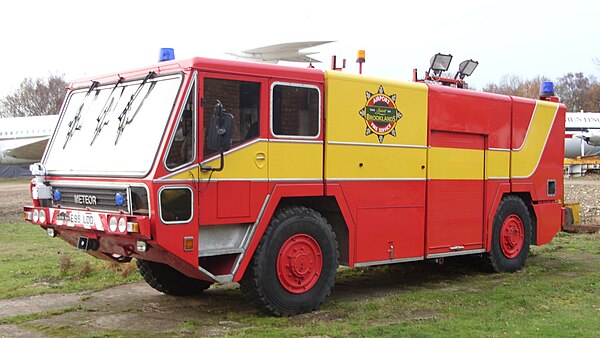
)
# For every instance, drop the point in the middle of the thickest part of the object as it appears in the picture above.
(260, 160)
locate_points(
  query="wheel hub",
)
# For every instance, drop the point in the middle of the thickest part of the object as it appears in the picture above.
(299, 263)
(512, 236)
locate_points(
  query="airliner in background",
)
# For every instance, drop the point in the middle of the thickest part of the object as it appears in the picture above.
(24, 139)
(582, 134)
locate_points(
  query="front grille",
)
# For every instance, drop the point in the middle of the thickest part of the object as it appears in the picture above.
(102, 199)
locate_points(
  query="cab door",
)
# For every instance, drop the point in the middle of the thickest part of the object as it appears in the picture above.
(233, 188)
(295, 134)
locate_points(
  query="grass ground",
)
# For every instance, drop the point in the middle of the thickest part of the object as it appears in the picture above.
(557, 294)
(32, 263)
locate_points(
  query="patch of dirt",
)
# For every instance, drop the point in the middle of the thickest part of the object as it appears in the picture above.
(35, 304)
(9, 330)
(585, 191)
(13, 196)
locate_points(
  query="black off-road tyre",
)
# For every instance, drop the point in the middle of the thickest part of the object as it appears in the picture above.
(169, 281)
(294, 267)
(511, 236)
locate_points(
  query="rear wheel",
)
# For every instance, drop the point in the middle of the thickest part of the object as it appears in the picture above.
(511, 236)
(169, 281)
(294, 266)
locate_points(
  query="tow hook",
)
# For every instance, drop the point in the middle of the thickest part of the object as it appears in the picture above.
(88, 244)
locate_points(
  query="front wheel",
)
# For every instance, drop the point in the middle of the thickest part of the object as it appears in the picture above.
(511, 236)
(169, 281)
(294, 266)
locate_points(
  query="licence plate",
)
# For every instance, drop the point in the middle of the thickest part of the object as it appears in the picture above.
(83, 218)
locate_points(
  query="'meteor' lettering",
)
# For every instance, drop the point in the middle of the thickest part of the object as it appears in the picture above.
(85, 199)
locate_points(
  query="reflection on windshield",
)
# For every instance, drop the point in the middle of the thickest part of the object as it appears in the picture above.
(92, 150)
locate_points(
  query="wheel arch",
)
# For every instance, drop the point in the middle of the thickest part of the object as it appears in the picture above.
(328, 207)
(526, 197)
(512, 231)
(503, 193)
(286, 195)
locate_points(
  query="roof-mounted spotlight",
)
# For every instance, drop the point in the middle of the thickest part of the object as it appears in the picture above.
(466, 68)
(440, 63)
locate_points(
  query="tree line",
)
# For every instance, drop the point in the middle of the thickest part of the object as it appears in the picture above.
(44, 96)
(577, 91)
(35, 97)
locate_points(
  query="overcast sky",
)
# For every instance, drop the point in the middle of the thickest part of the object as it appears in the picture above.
(86, 38)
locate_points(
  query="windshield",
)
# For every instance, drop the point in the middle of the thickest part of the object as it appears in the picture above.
(114, 129)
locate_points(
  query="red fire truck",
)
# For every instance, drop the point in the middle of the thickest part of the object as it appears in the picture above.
(272, 176)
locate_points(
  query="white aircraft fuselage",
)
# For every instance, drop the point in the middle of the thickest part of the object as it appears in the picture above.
(24, 139)
(582, 134)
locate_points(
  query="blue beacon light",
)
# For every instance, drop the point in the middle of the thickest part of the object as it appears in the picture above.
(547, 89)
(57, 195)
(119, 199)
(166, 54)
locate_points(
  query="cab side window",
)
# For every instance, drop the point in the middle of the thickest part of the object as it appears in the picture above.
(295, 110)
(183, 144)
(176, 204)
(239, 98)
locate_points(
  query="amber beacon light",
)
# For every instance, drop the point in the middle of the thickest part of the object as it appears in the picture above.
(360, 59)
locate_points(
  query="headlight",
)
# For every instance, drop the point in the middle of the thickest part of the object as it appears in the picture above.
(122, 225)
(112, 224)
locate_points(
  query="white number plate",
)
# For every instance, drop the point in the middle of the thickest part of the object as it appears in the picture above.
(83, 218)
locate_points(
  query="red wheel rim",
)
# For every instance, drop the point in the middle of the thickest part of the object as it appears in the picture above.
(299, 263)
(512, 236)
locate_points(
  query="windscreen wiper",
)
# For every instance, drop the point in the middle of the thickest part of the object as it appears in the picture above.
(74, 123)
(123, 115)
(105, 109)
(130, 119)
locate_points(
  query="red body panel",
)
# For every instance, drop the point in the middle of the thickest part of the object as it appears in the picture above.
(546, 214)
(391, 215)
(454, 215)
(471, 112)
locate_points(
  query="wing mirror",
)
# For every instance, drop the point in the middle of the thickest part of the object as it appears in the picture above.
(219, 129)
(218, 135)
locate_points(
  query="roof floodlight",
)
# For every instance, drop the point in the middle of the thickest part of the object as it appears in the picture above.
(466, 68)
(440, 63)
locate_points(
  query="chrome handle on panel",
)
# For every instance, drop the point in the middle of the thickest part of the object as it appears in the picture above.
(260, 160)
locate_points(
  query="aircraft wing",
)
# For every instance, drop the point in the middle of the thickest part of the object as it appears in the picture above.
(290, 51)
(300, 58)
(30, 150)
(285, 47)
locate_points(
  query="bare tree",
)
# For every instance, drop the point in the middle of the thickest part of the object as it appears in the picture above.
(574, 91)
(42, 96)
(515, 86)
(592, 100)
